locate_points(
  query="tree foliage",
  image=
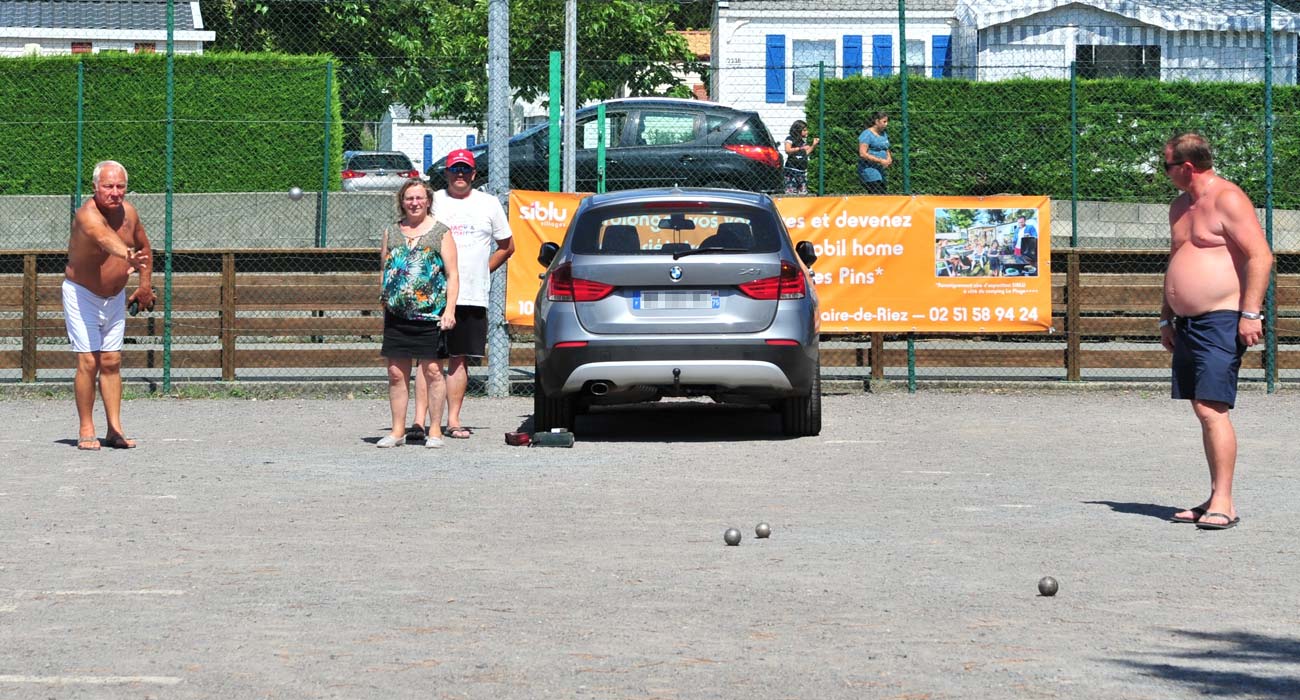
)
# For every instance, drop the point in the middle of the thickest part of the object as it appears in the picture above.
(432, 54)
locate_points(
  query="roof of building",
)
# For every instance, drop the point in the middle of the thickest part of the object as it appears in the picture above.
(1173, 15)
(98, 14)
(821, 7)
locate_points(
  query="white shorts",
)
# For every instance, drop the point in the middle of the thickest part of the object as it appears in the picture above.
(95, 323)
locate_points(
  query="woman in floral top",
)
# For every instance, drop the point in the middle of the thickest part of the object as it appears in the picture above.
(419, 296)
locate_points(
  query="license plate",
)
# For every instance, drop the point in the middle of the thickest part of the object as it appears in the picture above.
(676, 299)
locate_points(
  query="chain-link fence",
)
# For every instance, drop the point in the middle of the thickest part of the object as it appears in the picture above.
(265, 284)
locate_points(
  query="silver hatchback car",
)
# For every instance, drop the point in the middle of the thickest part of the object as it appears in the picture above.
(677, 292)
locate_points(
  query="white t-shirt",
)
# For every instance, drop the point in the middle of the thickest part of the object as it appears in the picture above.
(475, 222)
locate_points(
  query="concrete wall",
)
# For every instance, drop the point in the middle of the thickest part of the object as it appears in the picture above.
(242, 220)
(357, 219)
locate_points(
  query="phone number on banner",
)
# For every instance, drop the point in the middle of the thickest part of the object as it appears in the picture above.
(938, 314)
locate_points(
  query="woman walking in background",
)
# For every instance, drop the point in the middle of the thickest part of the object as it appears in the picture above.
(797, 149)
(873, 154)
(420, 287)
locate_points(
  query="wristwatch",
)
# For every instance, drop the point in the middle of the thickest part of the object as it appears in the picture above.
(1251, 316)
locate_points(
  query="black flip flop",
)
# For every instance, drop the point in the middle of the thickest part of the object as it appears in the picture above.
(1232, 522)
(1198, 512)
(451, 432)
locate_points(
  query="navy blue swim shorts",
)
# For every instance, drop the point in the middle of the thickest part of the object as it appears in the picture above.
(1207, 357)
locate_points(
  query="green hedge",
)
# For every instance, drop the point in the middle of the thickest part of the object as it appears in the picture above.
(243, 123)
(978, 138)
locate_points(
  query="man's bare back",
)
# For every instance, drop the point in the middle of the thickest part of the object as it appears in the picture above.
(1207, 266)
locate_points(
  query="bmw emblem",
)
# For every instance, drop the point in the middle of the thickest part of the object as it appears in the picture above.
(675, 273)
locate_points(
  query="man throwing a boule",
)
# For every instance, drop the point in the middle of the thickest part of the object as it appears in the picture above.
(108, 242)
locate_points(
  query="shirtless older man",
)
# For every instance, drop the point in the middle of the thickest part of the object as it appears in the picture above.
(1218, 273)
(107, 243)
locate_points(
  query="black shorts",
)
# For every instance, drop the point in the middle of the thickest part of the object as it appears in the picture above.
(469, 337)
(408, 339)
(1207, 357)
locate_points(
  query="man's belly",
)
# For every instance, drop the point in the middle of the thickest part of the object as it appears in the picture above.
(106, 280)
(1200, 280)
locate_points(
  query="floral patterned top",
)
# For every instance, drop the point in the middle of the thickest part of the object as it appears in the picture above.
(415, 286)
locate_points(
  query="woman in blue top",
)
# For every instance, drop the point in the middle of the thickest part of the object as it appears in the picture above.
(873, 154)
(420, 286)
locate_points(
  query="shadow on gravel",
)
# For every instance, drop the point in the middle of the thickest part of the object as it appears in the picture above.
(675, 421)
(1150, 510)
(1251, 650)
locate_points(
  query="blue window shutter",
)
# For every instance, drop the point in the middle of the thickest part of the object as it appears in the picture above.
(941, 57)
(882, 55)
(852, 55)
(776, 68)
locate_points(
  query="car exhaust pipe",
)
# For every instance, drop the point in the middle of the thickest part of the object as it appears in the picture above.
(599, 388)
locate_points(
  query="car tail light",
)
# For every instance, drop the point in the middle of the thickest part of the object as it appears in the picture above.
(763, 154)
(563, 286)
(349, 174)
(790, 284)
(572, 344)
(782, 341)
(413, 174)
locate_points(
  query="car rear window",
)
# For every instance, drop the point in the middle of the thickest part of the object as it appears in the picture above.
(665, 229)
(380, 161)
(751, 133)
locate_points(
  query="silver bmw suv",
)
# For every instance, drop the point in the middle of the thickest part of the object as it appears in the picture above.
(677, 292)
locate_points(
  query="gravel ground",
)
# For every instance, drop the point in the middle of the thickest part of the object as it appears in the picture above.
(265, 549)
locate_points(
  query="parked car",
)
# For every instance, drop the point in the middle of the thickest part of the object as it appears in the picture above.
(650, 142)
(677, 292)
(376, 171)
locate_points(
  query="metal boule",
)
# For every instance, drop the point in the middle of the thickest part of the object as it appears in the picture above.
(731, 537)
(762, 531)
(295, 193)
(1048, 586)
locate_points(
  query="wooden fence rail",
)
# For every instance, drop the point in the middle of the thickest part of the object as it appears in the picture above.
(294, 308)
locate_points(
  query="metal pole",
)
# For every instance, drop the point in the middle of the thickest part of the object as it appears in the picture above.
(907, 175)
(553, 133)
(570, 93)
(498, 378)
(167, 215)
(1074, 155)
(902, 62)
(322, 230)
(600, 148)
(81, 125)
(821, 126)
(1270, 312)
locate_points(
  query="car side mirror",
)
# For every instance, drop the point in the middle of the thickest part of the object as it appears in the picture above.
(806, 252)
(547, 253)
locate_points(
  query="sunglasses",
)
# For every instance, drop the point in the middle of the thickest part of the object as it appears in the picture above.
(460, 170)
(1170, 166)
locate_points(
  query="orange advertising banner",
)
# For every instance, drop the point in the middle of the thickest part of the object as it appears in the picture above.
(889, 264)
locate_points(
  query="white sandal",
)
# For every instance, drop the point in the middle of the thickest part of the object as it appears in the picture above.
(390, 441)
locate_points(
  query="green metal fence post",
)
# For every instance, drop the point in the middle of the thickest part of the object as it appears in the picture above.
(1074, 156)
(902, 63)
(553, 142)
(170, 177)
(600, 148)
(81, 123)
(1270, 310)
(322, 226)
(821, 127)
(907, 163)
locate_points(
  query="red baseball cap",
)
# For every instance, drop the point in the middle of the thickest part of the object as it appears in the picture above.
(460, 157)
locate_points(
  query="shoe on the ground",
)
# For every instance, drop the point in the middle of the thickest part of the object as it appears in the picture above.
(390, 441)
(433, 442)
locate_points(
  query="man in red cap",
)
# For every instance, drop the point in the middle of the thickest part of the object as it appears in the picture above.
(481, 231)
